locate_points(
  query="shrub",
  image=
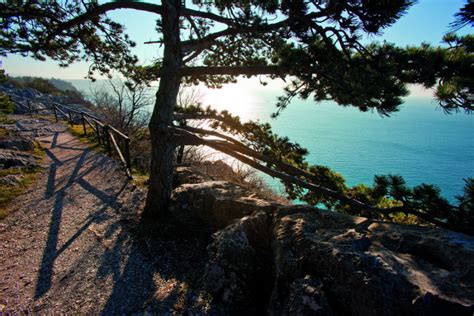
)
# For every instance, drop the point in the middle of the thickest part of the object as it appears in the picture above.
(6, 105)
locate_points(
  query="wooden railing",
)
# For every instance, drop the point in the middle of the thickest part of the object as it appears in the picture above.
(106, 135)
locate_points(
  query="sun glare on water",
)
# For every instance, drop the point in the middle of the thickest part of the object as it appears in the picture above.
(236, 98)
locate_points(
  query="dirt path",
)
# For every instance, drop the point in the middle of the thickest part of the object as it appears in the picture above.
(69, 247)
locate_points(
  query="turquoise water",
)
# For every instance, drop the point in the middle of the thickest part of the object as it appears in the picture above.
(420, 142)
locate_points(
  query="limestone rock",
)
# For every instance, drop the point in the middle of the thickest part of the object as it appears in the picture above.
(213, 205)
(306, 297)
(188, 175)
(17, 142)
(11, 180)
(13, 158)
(372, 268)
(238, 268)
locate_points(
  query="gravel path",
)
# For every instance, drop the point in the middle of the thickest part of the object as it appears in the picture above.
(70, 245)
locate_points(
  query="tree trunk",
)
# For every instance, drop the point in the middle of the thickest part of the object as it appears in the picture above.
(161, 173)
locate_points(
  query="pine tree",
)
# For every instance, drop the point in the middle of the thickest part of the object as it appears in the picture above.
(315, 43)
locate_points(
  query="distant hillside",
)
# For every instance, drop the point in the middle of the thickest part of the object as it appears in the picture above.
(57, 83)
(62, 85)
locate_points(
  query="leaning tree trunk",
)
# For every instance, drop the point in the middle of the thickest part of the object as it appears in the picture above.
(161, 173)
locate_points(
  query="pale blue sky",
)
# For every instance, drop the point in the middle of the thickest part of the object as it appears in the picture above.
(426, 21)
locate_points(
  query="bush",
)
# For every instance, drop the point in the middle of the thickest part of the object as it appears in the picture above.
(6, 106)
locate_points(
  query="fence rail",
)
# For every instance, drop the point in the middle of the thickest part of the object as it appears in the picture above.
(104, 133)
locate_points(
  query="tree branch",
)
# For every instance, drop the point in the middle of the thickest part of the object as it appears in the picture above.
(240, 152)
(252, 29)
(232, 71)
(110, 6)
(207, 15)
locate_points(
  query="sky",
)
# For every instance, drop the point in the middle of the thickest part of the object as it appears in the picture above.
(426, 21)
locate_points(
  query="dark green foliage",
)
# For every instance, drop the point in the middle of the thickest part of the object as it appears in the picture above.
(3, 77)
(376, 79)
(39, 84)
(464, 17)
(465, 214)
(6, 106)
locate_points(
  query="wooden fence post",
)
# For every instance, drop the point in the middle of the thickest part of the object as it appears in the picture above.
(107, 139)
(55, 113)
(127, 154)
(29, 107)
(99, 140)
(84, 124)
(70, 117)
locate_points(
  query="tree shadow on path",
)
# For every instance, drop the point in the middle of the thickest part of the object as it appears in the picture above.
(79, 171)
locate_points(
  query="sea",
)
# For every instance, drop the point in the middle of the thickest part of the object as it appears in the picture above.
(420, 142)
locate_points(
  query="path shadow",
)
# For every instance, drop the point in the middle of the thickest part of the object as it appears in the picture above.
(54, 141)
(157, 276)
(51, 250)
(132, 264)
(49, 254)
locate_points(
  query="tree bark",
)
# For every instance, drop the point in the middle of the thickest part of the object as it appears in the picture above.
(161, 172)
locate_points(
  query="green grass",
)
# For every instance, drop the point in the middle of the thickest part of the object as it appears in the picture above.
(28, 176)
(6, 120)
(8, 193)
(90, 136)
(3, 132)
(140, 179)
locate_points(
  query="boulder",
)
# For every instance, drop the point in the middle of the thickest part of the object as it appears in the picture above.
(190, 175)
(218, 169)
(17, 142)
(212, 205)
(239, 265)
(16, 159)
(370, 268)
(29, 93)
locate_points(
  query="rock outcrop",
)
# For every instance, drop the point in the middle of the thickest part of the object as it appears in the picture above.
(39, 101)
(17, 159)
(212, 205)
(300, 260)
(367, 267)
(17, 142)
(16, 147)
(238, 273)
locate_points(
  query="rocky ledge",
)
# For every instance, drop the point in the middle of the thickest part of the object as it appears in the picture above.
(299, 260)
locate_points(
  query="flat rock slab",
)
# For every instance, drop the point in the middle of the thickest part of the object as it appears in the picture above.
(212, 205)
(17, 159)
(372, 268)
(38, 127)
